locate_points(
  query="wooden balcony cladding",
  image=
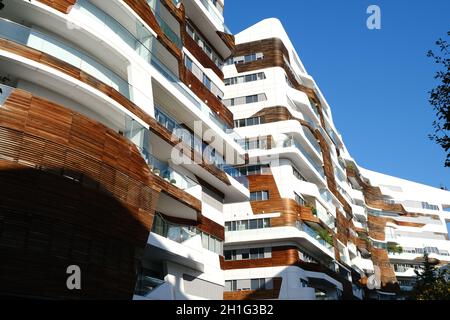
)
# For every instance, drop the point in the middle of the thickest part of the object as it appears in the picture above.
(376, 226)
(228, 39)
(80, 75)
(281, 256)
(200, 55)
(373, 195)
(380, 259)
(73, 193)
(178, 13)
(207, 96)
(256, 294)
(170, 138)
(290, 210)
(63, 6)
(273, 50)
(280, 113)
(143, 10)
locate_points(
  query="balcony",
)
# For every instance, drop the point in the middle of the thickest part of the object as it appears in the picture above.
(197, 145)
(173, 232)
(293, 143)
(159, 11)
(213, 10)
(148, 47)
(146, 285)
(315, 235)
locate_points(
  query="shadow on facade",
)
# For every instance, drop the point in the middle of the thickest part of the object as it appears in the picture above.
(50, 220)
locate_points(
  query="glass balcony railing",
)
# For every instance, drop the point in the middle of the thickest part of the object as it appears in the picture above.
(145, 45)
(169, 174)
(198, 145)
(171, 231)
(168, 31)
(47, 44)
(313, 234)
(326, 195)
(294, 143)
(5, 91)
(217, 18)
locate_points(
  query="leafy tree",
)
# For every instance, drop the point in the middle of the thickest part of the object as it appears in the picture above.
(440, 97)
(431, 283)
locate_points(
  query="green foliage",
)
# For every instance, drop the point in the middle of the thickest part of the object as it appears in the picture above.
(326, 236)
(440, 97)
(431, 283)
(313, 209)
(394, 248)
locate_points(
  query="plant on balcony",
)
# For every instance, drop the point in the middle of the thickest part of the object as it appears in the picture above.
(313, 209)
(325, 236)
(157, 172)
(394, 248)
(173, 181)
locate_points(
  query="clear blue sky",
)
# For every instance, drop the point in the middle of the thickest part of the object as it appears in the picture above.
(376, 81)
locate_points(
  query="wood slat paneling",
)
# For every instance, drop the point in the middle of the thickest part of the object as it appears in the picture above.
(66, 200)
(63, 6)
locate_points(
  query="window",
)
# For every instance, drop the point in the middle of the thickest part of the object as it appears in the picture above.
(257, 253)
(245, 254)
(198, 73)
(426, 205)
(253, 224)
(304, 283)
(247, 122)
(231, 286)
(244, 224)
(228, 255)
(245, 100)
(258, 284)
(299, 199)
(212, 243)
(204, 46)
(246, 59)
(259, 196)
(245, 79)
(188, 63)
(298, 175)
(254, 143)
(254, 170)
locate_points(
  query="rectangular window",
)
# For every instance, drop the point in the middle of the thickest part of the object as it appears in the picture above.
(205, 240)
(253, 224)
(245, 254)
(251, 99)
(227, 255)
(299, 199)
(259, 196)
(256, 284)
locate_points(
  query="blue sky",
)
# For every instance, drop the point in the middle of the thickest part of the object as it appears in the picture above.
(376, 81)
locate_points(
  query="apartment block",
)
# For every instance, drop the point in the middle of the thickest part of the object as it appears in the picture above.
(168, 159)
